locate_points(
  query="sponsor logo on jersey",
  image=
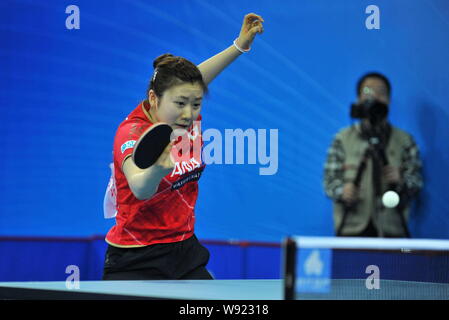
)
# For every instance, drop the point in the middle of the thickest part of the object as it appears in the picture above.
(194, 176)
(127, 145)
(184, 167)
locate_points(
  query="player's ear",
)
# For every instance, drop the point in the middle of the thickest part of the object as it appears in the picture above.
(152, 98)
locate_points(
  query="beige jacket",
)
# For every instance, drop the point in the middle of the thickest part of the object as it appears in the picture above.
(344, 157)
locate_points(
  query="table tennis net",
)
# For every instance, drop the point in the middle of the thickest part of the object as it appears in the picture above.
(366, 268)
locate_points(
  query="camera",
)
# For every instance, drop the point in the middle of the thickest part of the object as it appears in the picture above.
(373, 110)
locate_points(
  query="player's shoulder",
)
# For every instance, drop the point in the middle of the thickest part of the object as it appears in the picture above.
(136, 119)
(137, 115)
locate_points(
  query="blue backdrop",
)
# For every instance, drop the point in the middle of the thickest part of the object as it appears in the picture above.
(64, 92)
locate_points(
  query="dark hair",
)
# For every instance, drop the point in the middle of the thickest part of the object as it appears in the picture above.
(170, 70)
(376, 75)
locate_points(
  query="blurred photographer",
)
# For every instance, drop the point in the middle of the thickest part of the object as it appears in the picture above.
(373, 168)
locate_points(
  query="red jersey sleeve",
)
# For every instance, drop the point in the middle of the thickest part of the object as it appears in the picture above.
(125, 139)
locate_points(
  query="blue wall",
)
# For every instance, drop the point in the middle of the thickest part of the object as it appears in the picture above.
(46, 259)
(64, 92)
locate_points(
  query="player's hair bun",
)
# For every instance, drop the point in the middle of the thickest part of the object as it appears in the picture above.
(159, 60)
(170, 70)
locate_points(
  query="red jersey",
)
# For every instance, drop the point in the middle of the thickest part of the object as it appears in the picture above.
(169, 215)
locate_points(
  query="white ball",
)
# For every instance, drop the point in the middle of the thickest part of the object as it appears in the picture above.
(390, 199)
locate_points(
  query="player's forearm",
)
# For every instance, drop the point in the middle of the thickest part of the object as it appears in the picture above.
(144, 184)
(216, 64)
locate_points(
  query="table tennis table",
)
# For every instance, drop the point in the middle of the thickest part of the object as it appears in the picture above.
(412, 269)
(273, 289)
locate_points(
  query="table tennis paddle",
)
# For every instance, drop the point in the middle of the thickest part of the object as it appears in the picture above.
(151, 144)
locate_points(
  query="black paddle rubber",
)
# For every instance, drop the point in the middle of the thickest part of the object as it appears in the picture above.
(151, 144)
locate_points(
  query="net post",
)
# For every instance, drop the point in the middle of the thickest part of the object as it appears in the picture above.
(289, 262)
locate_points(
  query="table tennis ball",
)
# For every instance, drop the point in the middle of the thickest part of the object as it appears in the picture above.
(390, 199)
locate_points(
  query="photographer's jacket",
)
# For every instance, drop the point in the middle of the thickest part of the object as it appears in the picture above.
(343, 160)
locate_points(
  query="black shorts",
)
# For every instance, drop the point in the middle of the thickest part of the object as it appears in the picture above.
(165, 261)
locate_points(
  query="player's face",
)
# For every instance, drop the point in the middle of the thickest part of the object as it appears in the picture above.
(180, 105)
(374, 88)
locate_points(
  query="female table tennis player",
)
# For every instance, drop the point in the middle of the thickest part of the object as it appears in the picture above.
(153, 237)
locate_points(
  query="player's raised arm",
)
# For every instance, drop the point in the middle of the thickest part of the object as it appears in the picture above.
(252, 25)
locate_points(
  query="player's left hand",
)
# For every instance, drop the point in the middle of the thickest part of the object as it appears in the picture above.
(252, 25)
